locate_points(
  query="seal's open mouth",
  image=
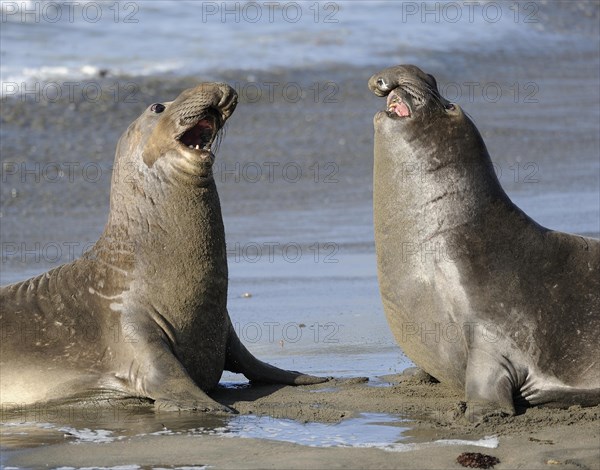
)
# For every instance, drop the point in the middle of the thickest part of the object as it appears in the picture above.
(202, 134)
(396, 106)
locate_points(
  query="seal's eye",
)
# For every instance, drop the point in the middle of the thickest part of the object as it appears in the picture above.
(450, 107)
(157, 108)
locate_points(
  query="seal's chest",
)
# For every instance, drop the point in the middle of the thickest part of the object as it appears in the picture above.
(203, 349)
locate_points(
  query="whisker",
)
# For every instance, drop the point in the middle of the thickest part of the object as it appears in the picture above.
(420, 91)
(219, 138)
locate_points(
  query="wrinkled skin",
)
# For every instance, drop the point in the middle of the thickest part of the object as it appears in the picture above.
(144, 312)
(476, 293)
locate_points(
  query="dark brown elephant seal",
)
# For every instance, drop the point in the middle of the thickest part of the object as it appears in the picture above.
(476, 293)
(144, 312)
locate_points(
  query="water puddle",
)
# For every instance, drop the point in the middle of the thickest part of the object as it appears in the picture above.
(373, 430)
(369, 429)
(136, 467)
(99, 425)
(379, 382)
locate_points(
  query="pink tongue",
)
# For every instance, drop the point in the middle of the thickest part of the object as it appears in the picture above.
(401, 110)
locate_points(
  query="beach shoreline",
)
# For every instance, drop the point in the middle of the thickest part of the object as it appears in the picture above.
(432, 438)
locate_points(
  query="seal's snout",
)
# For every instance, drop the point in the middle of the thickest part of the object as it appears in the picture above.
(219, 97)
(380, 85)
(228, 102)
(410, 93)
(383, 82)
(201, 113)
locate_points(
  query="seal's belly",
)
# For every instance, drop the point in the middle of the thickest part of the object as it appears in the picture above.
(32, 382)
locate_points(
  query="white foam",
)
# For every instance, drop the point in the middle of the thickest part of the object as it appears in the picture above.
(489, 442)
(29, 424)
(134, 467)
(370, 430)
(185, 467)
(107, 45)
(88, 435)
(118, 467)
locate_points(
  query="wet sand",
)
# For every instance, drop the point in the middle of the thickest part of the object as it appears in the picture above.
(537, 439)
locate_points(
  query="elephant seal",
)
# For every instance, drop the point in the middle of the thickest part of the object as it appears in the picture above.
(144, 312)
(476, 293)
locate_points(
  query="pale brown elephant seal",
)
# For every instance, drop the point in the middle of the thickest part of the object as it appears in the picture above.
(144, 312)
(477, 294)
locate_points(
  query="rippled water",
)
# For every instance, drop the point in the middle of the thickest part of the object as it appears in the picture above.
(374, 430)
(89, 36)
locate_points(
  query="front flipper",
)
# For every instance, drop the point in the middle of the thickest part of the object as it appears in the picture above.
(180, 393)
(172, 389)
(239, 359)
(489, 385)
(156, 373)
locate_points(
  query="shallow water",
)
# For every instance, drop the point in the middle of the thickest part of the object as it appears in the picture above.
(369, 430)
(91, 36)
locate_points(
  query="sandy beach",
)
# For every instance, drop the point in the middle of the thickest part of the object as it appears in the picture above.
(432, 438)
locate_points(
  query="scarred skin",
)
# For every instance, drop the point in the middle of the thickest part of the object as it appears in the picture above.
(476, 293)
(144, 312)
